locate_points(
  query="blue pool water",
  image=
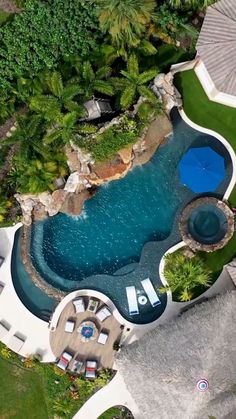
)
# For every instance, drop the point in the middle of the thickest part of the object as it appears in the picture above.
(207, 224)
(124, 229)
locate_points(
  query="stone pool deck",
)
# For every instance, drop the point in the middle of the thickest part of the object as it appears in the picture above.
(20, 321)
(61, 340)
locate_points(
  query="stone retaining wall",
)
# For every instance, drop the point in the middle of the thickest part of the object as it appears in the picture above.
(34, 275)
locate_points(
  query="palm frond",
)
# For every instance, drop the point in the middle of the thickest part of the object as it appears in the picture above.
(132, 65)
(52, 136)
(127, 97)
(147, 93)
(55, 84)
(69, 120)
(88, 73)
(70, 91)
(118, 83)
(147, 48)
(147, 76)
(104, 87)
(72, 106)
(103, 72)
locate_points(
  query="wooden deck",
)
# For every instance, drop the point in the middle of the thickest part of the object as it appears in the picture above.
(71, 342)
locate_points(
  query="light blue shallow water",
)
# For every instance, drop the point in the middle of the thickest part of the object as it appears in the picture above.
(86, 251)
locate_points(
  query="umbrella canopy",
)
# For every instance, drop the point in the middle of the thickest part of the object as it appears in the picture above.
(202, 169)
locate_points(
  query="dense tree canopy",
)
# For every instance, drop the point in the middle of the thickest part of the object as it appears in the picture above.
(43, 33)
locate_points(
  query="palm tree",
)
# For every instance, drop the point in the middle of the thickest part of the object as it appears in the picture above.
(133, 84)
(59, 100)
(27, 137)
(125, 21)
(90, 79)
(185, 275)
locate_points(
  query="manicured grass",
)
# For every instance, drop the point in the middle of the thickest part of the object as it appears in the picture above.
(221, 119)
(216, 260)
(204, 112)
(21, 394)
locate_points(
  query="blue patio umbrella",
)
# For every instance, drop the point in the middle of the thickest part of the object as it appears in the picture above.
(202, 169)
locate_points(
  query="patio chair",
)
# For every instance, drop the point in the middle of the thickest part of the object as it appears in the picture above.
(69, 326)
(64, 360)
(77, 366)
(132, 300)
(92, 305)
(102, 338)
(79, 305)
(4, 328)
(150, 291)
(16, 342)
(91, 369)
(103, 313)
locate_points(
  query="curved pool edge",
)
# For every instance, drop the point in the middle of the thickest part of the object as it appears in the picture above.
(14, 312)
(167, 309)
(222, 140)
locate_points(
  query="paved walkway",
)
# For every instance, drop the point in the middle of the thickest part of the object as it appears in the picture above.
(14, 313)
(114, 394)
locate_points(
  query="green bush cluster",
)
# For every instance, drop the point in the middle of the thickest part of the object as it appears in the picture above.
(43, 34)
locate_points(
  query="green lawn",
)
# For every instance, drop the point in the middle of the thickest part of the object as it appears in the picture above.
(221, 119)
(216, 260)
(21, 394)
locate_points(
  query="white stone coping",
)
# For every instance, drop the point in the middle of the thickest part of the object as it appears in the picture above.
(162, 262)
(113, 394)
(13, 312)
(86, 293)
(209, 87)
(223, 141)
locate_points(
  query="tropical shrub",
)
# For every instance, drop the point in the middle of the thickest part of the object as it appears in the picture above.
(185, 275)
(43, 33)
(134, 83)
(105, 145)
(5, 352)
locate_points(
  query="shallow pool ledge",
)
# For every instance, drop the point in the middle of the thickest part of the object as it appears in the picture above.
(223, 141)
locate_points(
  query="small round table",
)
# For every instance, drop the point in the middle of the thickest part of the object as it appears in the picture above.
(87, 331)
(142, 300)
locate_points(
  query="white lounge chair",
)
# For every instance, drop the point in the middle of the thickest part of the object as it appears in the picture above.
(16, 342)
(69, 326)
(132, 300)
(103, 313)
(150, 291)
(79, 305)
(91, 369)
(102, 338)
(4, 329)
(64, 360)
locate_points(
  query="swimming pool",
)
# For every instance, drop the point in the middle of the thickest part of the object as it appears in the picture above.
(124, 229)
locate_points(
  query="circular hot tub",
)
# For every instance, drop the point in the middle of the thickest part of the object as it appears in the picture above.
(206, 224)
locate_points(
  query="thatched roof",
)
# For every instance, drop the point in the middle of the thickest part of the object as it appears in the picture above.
(162, 369)
(217, 45)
